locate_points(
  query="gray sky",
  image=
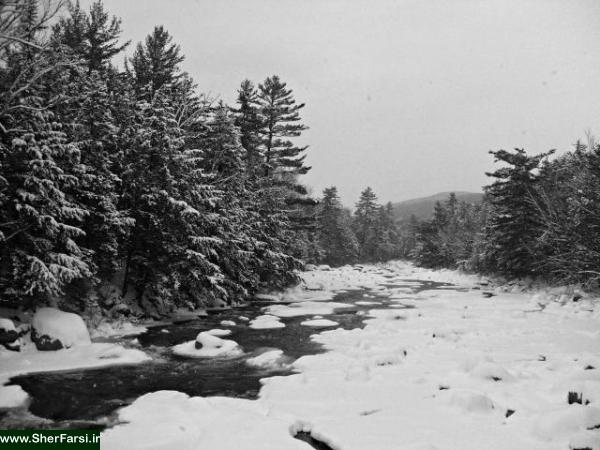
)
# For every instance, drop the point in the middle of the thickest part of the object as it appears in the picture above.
(406, 96)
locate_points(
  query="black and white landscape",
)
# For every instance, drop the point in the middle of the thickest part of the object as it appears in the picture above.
(340, 225)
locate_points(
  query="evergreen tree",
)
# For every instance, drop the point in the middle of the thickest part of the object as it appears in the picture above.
(514, 222)
(366, 216)
(250, 122)
(155, 63)
(335, 235)
(94, 37)
(40, 229)
(281, 123)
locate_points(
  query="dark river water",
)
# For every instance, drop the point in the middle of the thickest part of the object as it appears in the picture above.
(90, 397)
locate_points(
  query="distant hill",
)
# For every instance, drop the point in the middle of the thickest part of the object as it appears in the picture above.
(422, 207)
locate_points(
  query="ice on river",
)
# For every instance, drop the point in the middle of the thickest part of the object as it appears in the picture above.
(458, 371)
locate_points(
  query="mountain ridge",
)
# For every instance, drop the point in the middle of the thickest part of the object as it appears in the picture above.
(422, 207)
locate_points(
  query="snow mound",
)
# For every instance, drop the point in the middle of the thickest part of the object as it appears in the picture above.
(565, 422)
(265, 322)
(207, 346)
(319, 323)
(50, 325)
(471, 401)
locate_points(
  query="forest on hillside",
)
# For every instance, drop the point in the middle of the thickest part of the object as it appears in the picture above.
(128, 183)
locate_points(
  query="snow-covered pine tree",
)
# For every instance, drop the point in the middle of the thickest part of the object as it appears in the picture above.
(513, 226)
(334, 232)
(40, 230)
(155, 63)
(365, 220)
(95, 90)
(250, 122)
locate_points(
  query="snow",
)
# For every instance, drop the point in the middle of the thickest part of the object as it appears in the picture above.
(68, 328)
(270, 358)
(227, 323)
(459, 371)
(12, 396)
(173, 420)
(308, 308)
(319, 323)
(266, 321)
(219, 332)
(212, 346)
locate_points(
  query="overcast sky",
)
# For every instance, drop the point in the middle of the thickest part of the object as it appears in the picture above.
(405, 96)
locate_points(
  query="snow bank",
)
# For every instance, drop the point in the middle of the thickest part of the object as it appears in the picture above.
(172, 420)
(208, 346)
(50, 325)
(266, 321)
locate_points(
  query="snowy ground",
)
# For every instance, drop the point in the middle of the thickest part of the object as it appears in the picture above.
(459, 371)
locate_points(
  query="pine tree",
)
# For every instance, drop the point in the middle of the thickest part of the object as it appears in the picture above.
(155, 63)
(40, 230)
(94, 37)
(281, 123)
(514, 223)
(250, 122)
(335, 235)
(365, 220)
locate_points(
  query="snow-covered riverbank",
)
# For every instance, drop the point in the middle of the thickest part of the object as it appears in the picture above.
(460, 370)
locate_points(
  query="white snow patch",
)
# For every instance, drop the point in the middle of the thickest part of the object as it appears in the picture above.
(319, 323)
(266, 321)
(270, 358)
(219, 332)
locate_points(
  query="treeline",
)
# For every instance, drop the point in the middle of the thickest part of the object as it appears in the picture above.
(369, 234)
(131, 178)
(540, 218)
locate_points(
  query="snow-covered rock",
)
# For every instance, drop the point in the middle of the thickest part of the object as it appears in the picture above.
(227, 323)
(53, 329)
(9, 334)
(206, 346)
